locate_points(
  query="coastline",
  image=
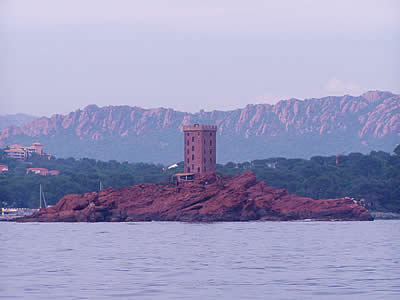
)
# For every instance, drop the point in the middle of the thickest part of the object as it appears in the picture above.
(378, 215)
(209, 198)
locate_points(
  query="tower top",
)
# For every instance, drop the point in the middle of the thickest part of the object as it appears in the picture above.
(199, 127)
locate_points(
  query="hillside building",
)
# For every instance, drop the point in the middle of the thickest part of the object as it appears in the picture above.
(24, 152)
(3, 168)
(38, 171)
(42, 171)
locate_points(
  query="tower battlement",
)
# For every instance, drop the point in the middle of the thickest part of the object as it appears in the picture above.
(199, 127)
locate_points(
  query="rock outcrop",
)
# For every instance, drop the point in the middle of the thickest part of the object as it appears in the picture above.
(290, 128)
(211, 197)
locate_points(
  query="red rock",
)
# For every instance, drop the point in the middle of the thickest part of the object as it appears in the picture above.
(209, 198)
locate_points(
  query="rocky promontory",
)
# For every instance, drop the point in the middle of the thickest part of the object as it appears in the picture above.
(211, 197)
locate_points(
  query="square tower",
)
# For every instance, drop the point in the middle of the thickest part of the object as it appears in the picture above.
(200, 148)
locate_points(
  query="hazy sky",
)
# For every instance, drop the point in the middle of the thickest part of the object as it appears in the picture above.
(60, 55)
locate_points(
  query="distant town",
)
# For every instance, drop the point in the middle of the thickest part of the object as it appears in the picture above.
(23, 153)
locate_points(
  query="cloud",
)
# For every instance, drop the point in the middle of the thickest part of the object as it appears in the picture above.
(339, 87)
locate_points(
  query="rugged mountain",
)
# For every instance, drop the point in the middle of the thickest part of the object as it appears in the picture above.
(211, 197)
(291, 128)
(16, 119)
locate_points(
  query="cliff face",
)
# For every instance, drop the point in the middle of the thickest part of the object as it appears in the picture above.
(210, 198)
(314, 126)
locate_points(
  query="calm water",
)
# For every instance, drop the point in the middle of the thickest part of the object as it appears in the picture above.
(168, 260)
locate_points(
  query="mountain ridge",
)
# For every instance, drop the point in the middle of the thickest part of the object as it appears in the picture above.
(371, 120)
(18, 119)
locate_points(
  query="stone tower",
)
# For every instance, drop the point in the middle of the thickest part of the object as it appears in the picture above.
(200, 148)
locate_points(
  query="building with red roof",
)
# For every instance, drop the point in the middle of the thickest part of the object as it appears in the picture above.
(3, 168)
(39, 171)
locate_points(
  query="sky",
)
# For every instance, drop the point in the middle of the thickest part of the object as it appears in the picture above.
(57, 56)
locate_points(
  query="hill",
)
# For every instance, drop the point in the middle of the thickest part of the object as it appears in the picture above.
(290, 128)
(16, 120)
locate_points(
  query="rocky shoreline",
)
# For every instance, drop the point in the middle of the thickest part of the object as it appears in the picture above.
(210, 198)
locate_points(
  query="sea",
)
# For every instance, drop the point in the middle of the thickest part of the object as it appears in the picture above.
(173, 260)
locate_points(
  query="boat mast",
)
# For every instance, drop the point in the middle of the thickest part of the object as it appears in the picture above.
(44, 200)
(40, 196)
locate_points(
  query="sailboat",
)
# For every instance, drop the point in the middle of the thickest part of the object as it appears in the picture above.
(42, 197)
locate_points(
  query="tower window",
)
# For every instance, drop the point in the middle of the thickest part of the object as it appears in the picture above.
(187, 143)
(188, 169)
(198, 134)
(210, 160)
(192, 167)
(204, 160)
(204, 142)
(192, 138)
(198, 170)
(210, 133)
(192, 156)
(210, 143)
(187, 151)
(192, 148)
(210, 151)
(188, 160)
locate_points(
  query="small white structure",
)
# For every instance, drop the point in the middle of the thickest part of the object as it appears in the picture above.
(172, 166)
